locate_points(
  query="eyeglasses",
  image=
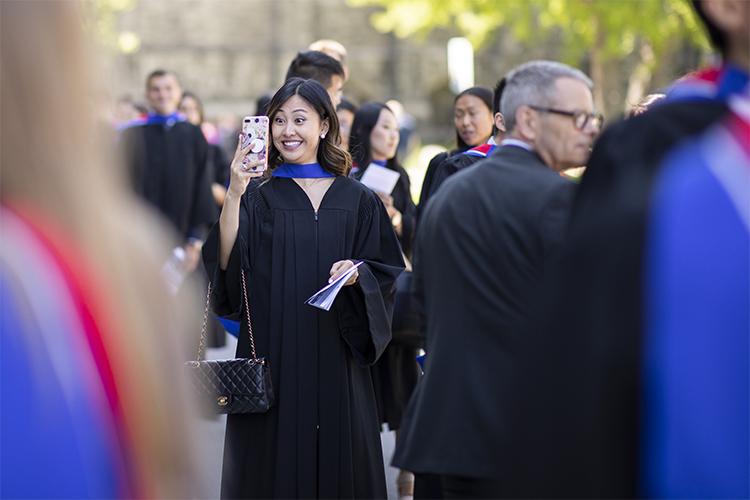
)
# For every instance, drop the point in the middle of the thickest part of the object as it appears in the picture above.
(580, 118)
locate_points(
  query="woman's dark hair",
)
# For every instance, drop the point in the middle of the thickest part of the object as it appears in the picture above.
(347, 105)
(718, 37)
(365, 120)
(485, 95)
(330, 156)
(497, 96)
(198, 102)
(316, 65)
(261, 104)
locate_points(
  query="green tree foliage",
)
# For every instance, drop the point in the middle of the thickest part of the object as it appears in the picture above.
(616, 24)
(100, 19)
(600, 31)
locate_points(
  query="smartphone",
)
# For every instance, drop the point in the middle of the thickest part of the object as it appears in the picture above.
(255, 134)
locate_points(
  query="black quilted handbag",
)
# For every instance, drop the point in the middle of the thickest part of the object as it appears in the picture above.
(241, 385)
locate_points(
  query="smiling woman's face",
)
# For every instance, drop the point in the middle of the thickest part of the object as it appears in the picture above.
(296, 129)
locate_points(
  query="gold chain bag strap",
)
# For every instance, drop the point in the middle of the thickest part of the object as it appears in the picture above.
(240, 385)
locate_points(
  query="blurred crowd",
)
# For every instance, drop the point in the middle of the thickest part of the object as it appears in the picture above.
(562, 312)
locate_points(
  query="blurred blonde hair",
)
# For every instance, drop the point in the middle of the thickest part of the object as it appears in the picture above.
(331, 47)
(54, 161)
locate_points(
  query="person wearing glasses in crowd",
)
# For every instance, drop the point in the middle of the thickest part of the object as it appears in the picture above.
(482, 248)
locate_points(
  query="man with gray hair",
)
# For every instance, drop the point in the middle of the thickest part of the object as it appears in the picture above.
(483, 245)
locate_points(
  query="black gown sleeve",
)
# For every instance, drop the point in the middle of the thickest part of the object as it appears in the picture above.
(424, 194)
(226, 284)
(366, 309)
(405, 205)
(203, 208)
(221, 165)
(442, 172)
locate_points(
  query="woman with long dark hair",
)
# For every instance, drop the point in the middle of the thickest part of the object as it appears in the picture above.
(374, 141)
(291, 230)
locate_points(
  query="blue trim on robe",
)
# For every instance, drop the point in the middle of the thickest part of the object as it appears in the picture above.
(303, 171)
(696, 378)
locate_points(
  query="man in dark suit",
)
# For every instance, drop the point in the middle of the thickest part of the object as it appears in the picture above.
(481, 252)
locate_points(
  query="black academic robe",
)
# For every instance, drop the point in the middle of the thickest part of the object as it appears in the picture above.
(577, 396)
(482, 248)
(395, 374)
(220, 164)
(169, 167)
(321, 439)
(450, 166)
(426, 191)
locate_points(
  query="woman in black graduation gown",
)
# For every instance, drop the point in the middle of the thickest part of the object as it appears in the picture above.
(291, 232)
(473, 119)
(374, 140)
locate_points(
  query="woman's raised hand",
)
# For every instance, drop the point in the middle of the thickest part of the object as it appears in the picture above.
(242, 171)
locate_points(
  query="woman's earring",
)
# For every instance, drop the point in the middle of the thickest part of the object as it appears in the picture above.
(322, 136)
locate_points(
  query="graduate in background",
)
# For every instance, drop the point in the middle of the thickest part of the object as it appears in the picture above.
(374, 141)
(167, 158)
(458, 162)
(472, 117)
(290, 233)
(322, 68)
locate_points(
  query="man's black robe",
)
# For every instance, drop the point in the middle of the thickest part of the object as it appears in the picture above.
(321, 439)
(169, 168)
(450, 166)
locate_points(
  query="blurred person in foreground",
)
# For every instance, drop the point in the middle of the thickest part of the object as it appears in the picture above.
(634, 381)
(645, 104)
(473, 120)
(458, 162)
(168, 161)
(482, 250)
(90, 387)
(292, 230)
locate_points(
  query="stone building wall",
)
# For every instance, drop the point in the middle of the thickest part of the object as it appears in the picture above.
(231, 51)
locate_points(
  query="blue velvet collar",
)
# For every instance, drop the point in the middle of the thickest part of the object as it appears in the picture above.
(305, 171)
(166, 120)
